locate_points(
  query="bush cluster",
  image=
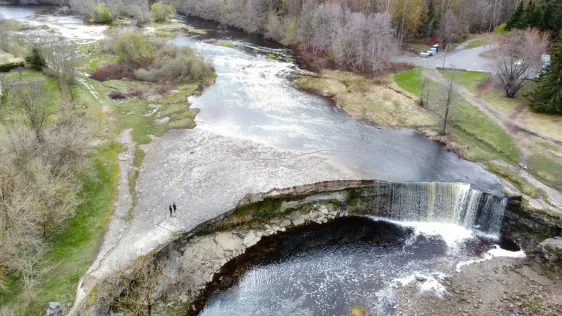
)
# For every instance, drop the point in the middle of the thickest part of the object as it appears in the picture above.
(162, 13)
(175, 64)
(134, 48)
(102, 14)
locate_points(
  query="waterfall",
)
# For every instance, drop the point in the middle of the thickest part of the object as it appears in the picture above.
(451, 203)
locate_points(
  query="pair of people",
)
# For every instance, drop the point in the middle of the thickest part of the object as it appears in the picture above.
(172, 208)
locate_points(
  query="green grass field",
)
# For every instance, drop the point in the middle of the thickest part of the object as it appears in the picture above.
(484, 140)
(476, 43)
(547, 169)
(470, 80)
(410, 80)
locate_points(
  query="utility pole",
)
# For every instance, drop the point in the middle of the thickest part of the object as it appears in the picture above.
(445, 56)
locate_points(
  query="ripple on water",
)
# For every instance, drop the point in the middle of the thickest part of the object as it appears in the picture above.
(327, 269)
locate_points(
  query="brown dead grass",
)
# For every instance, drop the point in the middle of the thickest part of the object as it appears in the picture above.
(362, 99)
(545, 124)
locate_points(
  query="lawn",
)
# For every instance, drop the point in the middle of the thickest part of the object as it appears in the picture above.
(75, 247)
(483, 139)
(476, 43)
(410, 80)
(470, 80)
(547, 169)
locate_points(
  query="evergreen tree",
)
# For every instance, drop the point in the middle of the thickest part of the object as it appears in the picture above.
(516, 17)
(532, 15)
(547, 97)
(430, 18)
(35, 60)
(550, 17)
(547, 15)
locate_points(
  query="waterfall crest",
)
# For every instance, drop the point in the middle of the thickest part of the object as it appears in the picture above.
(452, 203)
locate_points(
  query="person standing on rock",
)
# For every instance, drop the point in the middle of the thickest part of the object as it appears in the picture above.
(174, 205)
(171, 211)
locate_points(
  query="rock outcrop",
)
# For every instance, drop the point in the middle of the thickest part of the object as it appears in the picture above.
(549, 252)
(528, 227)
(190, 261)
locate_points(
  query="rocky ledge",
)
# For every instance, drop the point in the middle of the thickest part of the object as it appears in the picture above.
(176, 273)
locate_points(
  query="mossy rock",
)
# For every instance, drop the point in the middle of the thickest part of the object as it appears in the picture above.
(357, 311)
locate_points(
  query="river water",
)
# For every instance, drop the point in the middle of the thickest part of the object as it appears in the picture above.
(327, 269)
(254, 100)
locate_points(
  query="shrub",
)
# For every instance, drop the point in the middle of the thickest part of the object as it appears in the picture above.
(134, 48)
(175, 64)
(501, 29)
(35, 60)
(102, 14)
(9, 66)
(141, 17)
(113, 72)
(162, 13)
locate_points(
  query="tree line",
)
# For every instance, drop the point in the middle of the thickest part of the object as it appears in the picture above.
(545, 16)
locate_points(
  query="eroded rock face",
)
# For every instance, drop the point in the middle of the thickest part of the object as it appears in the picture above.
(528, 227)
(191, 261)
(187, 271)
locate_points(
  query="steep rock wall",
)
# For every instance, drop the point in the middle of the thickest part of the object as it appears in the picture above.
(190, 261)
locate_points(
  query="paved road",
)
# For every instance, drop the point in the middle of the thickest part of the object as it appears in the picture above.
(458, 58)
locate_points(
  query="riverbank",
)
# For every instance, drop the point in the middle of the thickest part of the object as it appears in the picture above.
(394, 101)
(119, 127)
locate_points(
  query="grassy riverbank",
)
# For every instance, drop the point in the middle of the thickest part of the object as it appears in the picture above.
(148, 109)
(392, 101)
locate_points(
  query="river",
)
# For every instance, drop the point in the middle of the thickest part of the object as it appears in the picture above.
(256, 131)
(254, 98)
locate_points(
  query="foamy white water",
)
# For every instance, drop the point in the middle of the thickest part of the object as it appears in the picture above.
(491, 254)
(452, 234)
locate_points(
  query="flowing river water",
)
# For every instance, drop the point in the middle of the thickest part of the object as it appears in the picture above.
(254, 98)
(321, 270)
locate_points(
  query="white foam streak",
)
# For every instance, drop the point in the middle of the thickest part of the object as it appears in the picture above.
(426, 284)
(495, 252)
(452, 234)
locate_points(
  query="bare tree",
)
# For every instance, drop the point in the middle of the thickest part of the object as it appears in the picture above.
(450, 90)
(61, 57)
(518, 58)
(31, 266)
(32, 100)
(424, 91)
(133, 292)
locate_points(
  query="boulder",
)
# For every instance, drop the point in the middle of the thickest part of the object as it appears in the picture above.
(116, 95)
(54, 309)
(550, 252)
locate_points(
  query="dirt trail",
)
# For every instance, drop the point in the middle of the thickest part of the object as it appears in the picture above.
(512, 128)
(509, 125)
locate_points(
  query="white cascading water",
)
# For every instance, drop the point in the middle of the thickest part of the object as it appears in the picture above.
(450, 203)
